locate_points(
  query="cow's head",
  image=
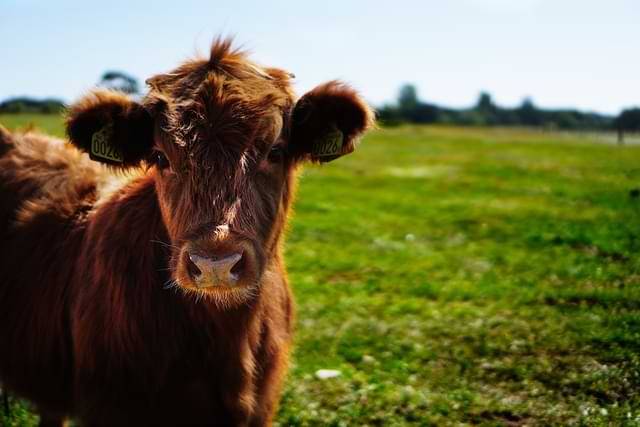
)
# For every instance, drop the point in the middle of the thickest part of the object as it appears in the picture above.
(222, 138)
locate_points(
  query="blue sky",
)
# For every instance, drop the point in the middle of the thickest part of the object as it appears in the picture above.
(562, 53)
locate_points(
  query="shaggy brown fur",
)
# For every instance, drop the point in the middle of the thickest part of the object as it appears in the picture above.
(102, 317)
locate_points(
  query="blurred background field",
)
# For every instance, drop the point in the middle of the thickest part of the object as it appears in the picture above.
(481, 276)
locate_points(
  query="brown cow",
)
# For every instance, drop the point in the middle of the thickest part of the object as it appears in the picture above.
(158, 294)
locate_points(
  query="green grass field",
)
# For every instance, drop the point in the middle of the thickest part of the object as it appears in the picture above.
(463, 277)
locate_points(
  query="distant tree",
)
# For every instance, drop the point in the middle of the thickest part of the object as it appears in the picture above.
(118, 80)
(411, 109)
(486, 112)
(389, 115)
(425, 113)
(31, 105)
(564, 119)
(408, 97)
(627, 121)
(528, 114)
(485, 103)
(51, 106)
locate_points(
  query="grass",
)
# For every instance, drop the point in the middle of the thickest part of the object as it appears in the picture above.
(47, 123)
(464, 277)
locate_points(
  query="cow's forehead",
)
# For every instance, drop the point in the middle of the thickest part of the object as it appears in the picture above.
(227, 120)
(224, 107)
(228, 73)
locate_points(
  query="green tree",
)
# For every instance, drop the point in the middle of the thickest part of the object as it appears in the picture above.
(627, 121)
(412, 110)
(485, 103)
(120, 81)
(528, 113)
(485, 112)
(408, 97)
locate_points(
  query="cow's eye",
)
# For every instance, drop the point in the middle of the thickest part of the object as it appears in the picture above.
(276, 154)
(161, 160)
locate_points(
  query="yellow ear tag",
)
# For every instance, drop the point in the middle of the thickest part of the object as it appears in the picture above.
(329, 145)
(101, 148)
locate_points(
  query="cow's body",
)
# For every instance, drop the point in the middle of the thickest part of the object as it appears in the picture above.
(88, 327)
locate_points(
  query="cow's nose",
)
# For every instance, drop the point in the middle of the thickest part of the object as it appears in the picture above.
(215, 271)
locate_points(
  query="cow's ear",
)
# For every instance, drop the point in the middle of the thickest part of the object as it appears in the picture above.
(327, 121)
(111, 127)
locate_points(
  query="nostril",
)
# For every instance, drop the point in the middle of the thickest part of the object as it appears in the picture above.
(192, 268)
(238, 268)
(226, 267)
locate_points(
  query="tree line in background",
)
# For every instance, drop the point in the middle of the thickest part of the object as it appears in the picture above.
(408, 109)
(115, 80)
(24, 104)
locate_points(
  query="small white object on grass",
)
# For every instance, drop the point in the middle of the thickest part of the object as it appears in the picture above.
(368, 359)
(323, 374)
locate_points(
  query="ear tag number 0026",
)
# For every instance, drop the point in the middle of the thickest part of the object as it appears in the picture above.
(330, 145)
(101, 148)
